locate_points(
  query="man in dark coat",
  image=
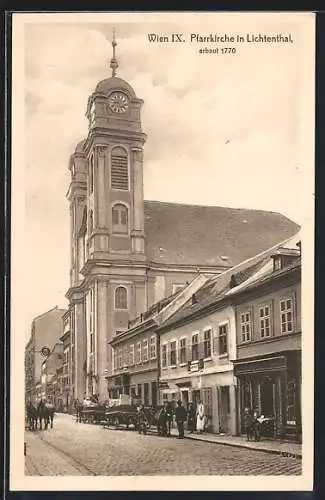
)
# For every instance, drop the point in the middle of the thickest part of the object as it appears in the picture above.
(191, 414)
(180, 417)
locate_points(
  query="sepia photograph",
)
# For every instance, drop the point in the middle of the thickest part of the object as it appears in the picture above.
(162, 251)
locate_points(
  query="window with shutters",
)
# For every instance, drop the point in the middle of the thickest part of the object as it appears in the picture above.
(138, 353)
(119, 219)
(119, 169)
(121, 298)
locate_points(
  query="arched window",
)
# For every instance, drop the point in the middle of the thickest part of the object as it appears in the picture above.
(119, 219)
(121, 298)
(119, 169)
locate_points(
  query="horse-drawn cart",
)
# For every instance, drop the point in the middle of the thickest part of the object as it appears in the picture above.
(122, 416)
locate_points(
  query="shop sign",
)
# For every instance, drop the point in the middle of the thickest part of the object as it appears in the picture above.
(163, 384)
(194, 368)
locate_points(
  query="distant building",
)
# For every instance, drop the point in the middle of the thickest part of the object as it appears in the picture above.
(67, 375)
(268, 364)
(46, 330)
(128, 253)
(49, 369)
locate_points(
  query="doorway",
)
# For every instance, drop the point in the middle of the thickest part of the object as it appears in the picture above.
(185, 398)
(154, 394)
(267, 397)
(196, 397)
(224, 409)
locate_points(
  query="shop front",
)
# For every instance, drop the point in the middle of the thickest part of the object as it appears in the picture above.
(271, 386)
(217, 393)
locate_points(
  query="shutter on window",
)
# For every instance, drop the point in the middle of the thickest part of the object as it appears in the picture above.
(119, 170)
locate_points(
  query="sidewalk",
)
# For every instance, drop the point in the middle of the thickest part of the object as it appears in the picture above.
(267, 445)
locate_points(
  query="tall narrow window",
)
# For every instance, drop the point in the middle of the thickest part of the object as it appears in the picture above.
(131, 355)
(138, 353)
(119, 169)
(153, 348)
(207, 343)
(121, 298)
(91, 174)
(195, 347)
(145, 349)
(286, 308)
(182, 351)
(91, 221)
(265, 321)
(223, 339)
(173, 359)
(164, 356)
(245, 320)
(119, 219)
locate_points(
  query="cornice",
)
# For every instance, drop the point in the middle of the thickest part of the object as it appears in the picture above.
(133, 332)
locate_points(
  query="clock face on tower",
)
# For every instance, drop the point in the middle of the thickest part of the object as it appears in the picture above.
(118, 102)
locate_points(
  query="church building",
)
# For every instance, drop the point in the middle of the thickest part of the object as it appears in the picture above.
(127, 253)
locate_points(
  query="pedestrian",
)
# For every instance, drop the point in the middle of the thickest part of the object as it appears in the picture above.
(201, 418)
(180, 416)
(248, 423)
(169, 416)
(191, 418)
(162, 421)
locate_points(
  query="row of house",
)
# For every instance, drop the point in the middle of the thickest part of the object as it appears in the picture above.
(232, 341)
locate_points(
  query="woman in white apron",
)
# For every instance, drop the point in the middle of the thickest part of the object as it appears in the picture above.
(200, 421)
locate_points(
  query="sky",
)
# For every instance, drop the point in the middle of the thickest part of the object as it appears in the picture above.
(222, 129)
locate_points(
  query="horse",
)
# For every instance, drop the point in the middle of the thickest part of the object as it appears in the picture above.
(45, 412)
(31, 417)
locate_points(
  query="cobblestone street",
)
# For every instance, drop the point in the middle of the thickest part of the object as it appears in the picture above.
(84, 449)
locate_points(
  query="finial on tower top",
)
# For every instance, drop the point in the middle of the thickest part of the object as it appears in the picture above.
(114, 63)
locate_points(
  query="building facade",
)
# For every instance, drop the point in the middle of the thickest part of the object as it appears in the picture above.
(128, 253)
(268, 364)
(136, 351)
(195, 365)
(46, 330)
(49, 369)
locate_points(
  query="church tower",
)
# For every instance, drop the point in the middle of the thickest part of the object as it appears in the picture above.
(108, 268)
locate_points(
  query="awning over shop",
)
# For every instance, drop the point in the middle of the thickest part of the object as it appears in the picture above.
(184, 383)
(278, 363)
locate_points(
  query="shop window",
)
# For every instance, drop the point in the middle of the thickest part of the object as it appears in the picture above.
(195, 347)
(286, 308)
(164, 356)
(265, 321)
(182, 351)
(207, 343)
(291, 402)
(173, 360)
(223, 339)
(245, 320)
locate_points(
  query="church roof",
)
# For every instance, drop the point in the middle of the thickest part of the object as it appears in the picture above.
(114, 83)
(210, 236)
